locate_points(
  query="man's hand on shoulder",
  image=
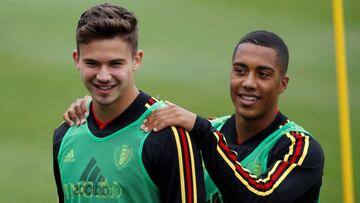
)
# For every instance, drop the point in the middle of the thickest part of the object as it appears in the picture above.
(170, 115)
(77, 111)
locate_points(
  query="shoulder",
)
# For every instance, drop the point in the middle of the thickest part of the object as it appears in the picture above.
(170, 137)
(60, 132)
(165, 150)
(169, 144)
(301, 148)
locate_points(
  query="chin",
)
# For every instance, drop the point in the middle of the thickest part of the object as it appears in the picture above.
(248, 115)
(103, 101)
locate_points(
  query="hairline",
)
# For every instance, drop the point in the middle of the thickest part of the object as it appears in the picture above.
(133, 49)
(278, 57)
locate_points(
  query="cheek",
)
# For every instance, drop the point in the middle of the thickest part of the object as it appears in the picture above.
(234, 83)
(122, 75)
(86, 74)
(233, 89)
(126, 74)
(270, 86)
(272, 92)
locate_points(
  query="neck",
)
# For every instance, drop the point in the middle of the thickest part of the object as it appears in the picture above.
(109, 112)
(248, 127)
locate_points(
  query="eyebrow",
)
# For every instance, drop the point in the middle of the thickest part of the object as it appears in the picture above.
(89, 60)
(118, 60)
(239, 64)
(264, 67)
(261, 67)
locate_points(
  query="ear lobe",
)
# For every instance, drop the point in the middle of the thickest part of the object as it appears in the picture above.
(284, 84)
(138, 60)
(135, 67)
(75, 56)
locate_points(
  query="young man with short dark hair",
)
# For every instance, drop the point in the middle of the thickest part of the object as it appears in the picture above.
(110, 159)
(257, 154)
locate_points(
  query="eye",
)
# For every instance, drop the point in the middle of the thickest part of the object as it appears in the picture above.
(264, 74)
(240, 70)
(91, 64)
(116, 64)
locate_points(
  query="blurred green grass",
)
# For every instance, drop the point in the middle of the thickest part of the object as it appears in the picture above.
(188, 47)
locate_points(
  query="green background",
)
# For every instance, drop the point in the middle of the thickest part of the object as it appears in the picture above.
(188, 47)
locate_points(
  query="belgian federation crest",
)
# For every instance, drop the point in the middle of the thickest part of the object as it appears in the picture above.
(123, 154)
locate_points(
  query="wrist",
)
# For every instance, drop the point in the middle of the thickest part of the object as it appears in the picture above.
(200, 125)
(190, 122)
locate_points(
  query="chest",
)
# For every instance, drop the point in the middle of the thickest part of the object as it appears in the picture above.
(99, 169)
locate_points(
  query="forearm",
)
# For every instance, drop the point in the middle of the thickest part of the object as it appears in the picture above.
(202, 133)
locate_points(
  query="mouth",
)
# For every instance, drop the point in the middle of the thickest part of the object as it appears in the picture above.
(104, 89)
(248, 99)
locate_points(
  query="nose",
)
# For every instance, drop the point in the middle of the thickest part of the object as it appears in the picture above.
(103, 75)
(249, 81)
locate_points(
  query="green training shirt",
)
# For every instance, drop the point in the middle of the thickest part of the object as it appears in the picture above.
(108, 169)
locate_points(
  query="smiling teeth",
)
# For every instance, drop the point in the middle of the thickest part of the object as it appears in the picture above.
(105, 87)
(250, 98)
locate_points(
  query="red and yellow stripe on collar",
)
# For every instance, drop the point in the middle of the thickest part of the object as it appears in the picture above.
(150, 102)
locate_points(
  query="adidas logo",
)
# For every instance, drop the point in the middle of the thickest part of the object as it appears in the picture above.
(92, 185)
(70, 157)
(92, 172)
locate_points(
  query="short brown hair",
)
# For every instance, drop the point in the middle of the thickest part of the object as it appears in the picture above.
(106, 21)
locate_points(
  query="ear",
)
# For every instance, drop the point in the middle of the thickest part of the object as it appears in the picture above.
(284, 84)
(75, 56)
(137, 59)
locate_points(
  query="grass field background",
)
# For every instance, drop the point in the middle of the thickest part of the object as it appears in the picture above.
(188, 47)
